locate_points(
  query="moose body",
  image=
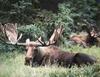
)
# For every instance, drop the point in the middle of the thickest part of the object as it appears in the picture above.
(46, 55)
(52, 54)
(65, 59)
(68, 59)
(83, 59)
(79, 39)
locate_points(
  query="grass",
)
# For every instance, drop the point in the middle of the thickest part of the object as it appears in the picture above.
(12, 65)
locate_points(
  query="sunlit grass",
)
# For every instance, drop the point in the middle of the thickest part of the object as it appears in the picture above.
(12, 65)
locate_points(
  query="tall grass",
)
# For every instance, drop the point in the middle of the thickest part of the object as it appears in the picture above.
(12, 65)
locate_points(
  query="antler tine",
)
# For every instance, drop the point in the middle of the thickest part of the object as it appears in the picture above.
(59, 29)
(62, 29)
(52, 38)
(2, 31)
(19, 37)
(42, 42)
(56, 34)
(1, 28)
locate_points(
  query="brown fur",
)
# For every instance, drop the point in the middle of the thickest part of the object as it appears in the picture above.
(86, 41)
(79, 40)
(48, 55)
(68, 59)
(82, 58)
(52, 54)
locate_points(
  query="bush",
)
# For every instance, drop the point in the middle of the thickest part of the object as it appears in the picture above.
(30, 31)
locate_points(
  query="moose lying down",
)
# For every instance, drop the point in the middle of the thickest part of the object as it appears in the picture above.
(42, 55)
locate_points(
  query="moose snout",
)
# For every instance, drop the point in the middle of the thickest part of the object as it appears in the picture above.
(28, 61)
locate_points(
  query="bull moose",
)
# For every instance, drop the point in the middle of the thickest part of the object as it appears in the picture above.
(52, 54)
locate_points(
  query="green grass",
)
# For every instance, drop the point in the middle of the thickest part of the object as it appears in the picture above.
(12, 65)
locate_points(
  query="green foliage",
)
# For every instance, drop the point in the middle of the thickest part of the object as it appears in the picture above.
(77, 12)
(24, 11)
(30, 31)
(20, 11)
(65, 18)
(47, 21)
(71, 16)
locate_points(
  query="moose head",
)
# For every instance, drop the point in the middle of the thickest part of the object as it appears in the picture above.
(41, 46)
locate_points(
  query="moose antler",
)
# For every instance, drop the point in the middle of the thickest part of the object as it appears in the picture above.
(55, 36)
(2, 33)
(12, 33)
(52, 41)
(40, 40)
(1, 28)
